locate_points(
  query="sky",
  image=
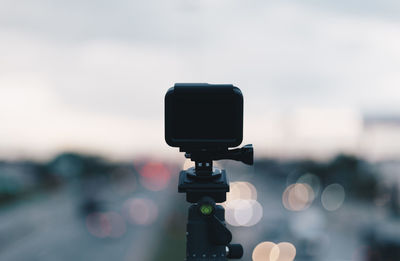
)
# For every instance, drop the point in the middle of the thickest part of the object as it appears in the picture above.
(91, 75)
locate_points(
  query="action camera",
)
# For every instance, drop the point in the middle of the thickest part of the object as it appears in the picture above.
(203, 116)
(205, 121)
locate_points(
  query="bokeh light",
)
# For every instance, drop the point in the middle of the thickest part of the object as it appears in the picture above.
(262, 252)
(140, 211)
(287, 251)
(242, 207)
(241, 190)
(269, 251)
(155, 176)
(257, 213)
(109, 224)
(98, 225)
(312, 180)
(333, 197)
(117, 224)
(298, 197)
(238, 212)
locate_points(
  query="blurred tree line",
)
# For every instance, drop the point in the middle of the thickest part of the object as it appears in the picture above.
(24, 178)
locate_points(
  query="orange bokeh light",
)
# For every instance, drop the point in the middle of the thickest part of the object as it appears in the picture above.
(155, 176)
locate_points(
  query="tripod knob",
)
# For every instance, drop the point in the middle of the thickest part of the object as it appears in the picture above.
(235, 251)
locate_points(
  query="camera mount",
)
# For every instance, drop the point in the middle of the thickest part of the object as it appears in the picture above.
(207, 235)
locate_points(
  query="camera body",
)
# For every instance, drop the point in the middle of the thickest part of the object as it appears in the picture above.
(201, 116)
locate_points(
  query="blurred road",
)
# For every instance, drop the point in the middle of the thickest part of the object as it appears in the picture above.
(51, 227)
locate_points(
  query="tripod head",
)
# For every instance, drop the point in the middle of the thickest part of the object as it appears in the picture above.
(207, 234)
(204, 121)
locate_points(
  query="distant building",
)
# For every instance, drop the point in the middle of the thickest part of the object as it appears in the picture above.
(380, 138)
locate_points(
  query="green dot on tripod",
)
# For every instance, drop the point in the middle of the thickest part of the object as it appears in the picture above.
(206, 209)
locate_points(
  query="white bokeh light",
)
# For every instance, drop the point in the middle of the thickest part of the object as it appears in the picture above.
(269, 251)
(333, 197)
(141, 211)
(241, 206)
(298, 197)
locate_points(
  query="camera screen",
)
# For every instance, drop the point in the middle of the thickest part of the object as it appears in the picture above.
(204, 117)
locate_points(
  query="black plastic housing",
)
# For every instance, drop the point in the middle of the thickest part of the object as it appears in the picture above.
(203, 116)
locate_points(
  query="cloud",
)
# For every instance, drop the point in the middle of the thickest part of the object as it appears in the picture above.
(96, 61)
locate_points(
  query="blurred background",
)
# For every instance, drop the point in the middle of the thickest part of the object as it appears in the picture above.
(85, 173)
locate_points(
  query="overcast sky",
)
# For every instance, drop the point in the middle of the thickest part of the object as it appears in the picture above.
(91, 75)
